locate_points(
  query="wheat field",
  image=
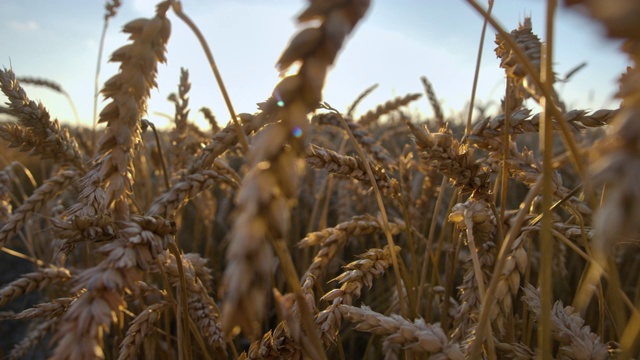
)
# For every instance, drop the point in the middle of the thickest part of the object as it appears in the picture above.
(304, 232)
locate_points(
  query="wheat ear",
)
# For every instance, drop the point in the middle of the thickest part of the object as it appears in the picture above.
(31, 281)
(36, 132)
(415, 336)
(180, 132)
(271, 182)
(576, 339)
(32, 338)
(139, 240)
(139, 328)
(46, 192)
(360, 273)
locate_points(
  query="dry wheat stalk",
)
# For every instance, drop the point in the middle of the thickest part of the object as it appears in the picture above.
(618, 162)
(79, 228)
(272, 179)
(331, 240)
(36, 132)
(43, 194)
(139, 328)
(31, 281)
(106, 186)
(42, 82)
(373, 115)
(525, 168)
(128, 91)
(415, 336)
(576, 339)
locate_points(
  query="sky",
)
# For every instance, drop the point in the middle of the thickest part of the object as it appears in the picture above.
(398, 42)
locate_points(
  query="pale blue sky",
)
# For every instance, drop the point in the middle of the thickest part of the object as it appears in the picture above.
(398, 42)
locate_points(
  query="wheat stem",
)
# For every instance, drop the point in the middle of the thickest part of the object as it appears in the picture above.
(385, 222)
(177, 8)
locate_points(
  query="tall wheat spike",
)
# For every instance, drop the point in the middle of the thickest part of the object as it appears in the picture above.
(272, 180)
(107, 185)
